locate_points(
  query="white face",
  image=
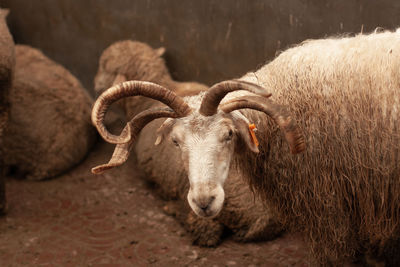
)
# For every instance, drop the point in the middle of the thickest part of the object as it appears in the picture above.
(207, 146)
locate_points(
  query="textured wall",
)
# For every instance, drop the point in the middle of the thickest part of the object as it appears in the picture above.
(208, 40)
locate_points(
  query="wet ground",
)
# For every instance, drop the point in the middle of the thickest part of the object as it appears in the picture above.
(115, 219)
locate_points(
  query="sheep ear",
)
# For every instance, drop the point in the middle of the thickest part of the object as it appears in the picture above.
(245, 134)
(164, 131)
(120, 78)
(160, 51)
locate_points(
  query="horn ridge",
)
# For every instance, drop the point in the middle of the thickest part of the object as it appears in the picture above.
(217, 92)
(122, 151)
(133, 88)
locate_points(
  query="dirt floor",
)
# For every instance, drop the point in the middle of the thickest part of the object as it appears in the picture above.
(115, 219)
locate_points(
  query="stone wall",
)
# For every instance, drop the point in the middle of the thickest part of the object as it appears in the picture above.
(207, 41)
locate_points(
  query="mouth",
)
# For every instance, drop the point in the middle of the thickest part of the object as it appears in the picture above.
(206, 213)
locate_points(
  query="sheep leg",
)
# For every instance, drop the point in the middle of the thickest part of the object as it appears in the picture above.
(264, 228)
(204, 232)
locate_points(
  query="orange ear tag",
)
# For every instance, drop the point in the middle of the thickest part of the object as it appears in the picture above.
(252, 129)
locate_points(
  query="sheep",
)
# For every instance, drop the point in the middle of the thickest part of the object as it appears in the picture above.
(246, 218)
(337, 101)
(7, 63)
(49, 128)
(128, 60)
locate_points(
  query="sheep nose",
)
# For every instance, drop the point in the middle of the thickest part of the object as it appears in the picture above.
(204, 207)
(205, 203)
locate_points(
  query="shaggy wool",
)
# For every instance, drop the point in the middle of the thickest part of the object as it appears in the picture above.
(344, 191)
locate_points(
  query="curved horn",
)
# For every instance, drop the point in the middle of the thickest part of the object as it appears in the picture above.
(133, 88)
(122, 151)
(217, 92)
(278, 113)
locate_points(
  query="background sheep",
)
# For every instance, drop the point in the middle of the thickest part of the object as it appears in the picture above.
(343, 192)
(7, 62)
(49, 129)
(129, 60)
(246, 217)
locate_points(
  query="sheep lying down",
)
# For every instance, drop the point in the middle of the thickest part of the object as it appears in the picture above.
(244, 215)
(328, 158)
(49, 128)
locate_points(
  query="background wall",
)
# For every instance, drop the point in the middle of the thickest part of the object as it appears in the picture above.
(207, 41)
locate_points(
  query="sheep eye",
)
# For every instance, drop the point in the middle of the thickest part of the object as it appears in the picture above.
(229, 135)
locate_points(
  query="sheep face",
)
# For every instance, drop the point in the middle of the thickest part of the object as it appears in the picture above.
(207, 145)
(207, 133)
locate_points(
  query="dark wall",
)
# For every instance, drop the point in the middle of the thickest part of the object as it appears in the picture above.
(206, 40)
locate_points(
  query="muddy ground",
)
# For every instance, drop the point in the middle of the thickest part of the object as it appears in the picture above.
(115, 219)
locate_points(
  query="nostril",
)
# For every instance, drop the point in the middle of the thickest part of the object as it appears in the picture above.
(204, 208)
(205, 204)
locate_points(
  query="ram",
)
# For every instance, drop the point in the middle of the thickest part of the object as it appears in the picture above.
(337, 97)
(49, 127)
(246, 217)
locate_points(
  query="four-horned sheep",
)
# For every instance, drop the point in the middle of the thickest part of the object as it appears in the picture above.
(336, 100)
(244, 215)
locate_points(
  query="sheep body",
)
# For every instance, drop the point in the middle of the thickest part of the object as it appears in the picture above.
(49, 129)
(7, 63)
(246, 217)
(344, 191)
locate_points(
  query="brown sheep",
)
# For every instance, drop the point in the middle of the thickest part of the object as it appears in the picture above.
(343, 192)
(49, 128)
(7, 63)
(245, 216)
(129, 60)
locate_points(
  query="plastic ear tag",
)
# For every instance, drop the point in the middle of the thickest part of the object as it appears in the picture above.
(253, 129)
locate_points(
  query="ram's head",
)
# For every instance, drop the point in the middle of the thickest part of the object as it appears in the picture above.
(207, 133)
